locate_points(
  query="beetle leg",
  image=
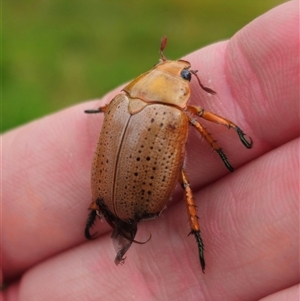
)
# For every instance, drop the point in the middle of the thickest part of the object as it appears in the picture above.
(193, 218)
(99, 110)
(97, 209)
(220, 120)
(202, 130)
(89, 224)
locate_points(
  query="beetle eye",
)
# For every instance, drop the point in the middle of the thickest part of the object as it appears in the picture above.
(186, 74)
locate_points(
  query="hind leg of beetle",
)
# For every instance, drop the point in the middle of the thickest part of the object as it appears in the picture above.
(201, 129)
(220, 120)
(193, 218)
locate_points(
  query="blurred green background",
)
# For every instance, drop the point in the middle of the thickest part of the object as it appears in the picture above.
(58, 53)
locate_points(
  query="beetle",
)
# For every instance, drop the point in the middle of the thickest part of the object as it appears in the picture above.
(140, 152)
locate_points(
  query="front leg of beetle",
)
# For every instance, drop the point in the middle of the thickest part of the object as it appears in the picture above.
(193, 218)
(95, 111)
(209, 139)
(220, 120)
(93, 207)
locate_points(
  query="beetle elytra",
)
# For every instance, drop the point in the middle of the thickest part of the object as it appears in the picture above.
(140, 153)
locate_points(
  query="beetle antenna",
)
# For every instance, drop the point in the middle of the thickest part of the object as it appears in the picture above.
(163, 45)
(208, 90)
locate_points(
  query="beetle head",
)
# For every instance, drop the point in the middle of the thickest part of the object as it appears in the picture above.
(185, 73)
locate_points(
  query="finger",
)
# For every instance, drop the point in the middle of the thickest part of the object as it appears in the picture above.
(291, 293)
(46, 193)
(257, 84)
(250, 242)
(46, 171)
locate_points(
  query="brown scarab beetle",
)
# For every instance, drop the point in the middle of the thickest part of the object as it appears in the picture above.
(139, 157)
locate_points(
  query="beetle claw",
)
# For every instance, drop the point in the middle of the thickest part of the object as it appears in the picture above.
(92, 236)
(89, 224)
(200, 249)
(225, 160)
(241, 134)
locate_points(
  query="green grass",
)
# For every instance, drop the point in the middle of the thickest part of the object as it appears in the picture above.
(58, 53)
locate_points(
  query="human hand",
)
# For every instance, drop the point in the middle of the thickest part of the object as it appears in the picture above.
(249, 219)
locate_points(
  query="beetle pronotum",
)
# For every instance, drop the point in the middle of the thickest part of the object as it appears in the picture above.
(141, 148)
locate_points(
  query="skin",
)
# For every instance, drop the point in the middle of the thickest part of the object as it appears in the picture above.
(249, 219)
